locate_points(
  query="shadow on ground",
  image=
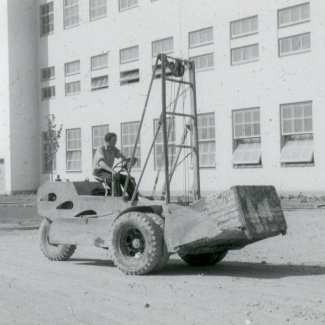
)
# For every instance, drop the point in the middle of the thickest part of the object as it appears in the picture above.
(233, 269)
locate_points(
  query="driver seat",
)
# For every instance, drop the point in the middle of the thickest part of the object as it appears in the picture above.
(104, 184)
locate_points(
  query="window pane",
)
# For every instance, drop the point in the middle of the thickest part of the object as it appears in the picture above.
(99, 61)
(294, 15)
(201, 37)
(296, 118)
(47, 19)
(162, 46)
(129, 54)
(245, 54)
(244, 27)
(129, 134)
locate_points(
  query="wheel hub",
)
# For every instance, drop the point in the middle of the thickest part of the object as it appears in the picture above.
(136, 243)
(132, 243)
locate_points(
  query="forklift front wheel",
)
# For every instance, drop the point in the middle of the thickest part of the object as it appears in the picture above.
(137, 243)
(206, 259)
(53, 252)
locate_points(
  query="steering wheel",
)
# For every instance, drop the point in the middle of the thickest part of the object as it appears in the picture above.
(125, 164)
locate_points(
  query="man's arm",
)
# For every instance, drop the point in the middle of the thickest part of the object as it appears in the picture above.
(103, 165)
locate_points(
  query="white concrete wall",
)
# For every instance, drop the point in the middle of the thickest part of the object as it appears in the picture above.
(4, 94)
(266, 84)
(23, 75)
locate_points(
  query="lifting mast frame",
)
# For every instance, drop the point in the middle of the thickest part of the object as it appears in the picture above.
(176, 67)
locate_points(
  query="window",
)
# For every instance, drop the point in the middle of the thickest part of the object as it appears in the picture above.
(48, 92)
(294, 44)
(159, 144)
(99, 82)
(48, 73)
(99, 62)
(207, 139)
(74, 158)
(47, 19)
(297, 133)
(129, 135)
(201, 37)
(244, 27)
(163, 46)
(46, 163)
(247, 137)
(72, 68)
(128, 77)
(71, 13)
(99, 133)
(294, 15)
(72, 88)
(98, 9)
(127, 4)
(130, 54)
(203, 62)
(244, 54)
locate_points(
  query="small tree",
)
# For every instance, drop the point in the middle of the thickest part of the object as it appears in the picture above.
(53, 145)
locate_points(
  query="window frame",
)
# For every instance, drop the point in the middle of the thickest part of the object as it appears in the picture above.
(130, 60)
(73, 73)
(65, 7)
(293, 52)
(91, 9)
(287, 137)
(99, 67)
(161, 40)
(252, 142)
(52, 90)
(246, 61)
(131, 80)
(210, 140)
(203, 43)
(156, 120)
(137, 165)
(73, 93)
(42, 16)
(102, 126)
(127, 8)
(73, 150)
(101, 87)
(302, 21)
(243, 34)
(199, 56)
(52, 77)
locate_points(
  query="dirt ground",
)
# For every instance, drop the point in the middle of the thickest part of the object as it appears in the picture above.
(277, 281)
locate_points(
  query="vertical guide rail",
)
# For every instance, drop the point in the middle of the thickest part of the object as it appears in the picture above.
(138, 136)
(195, 139)
(163, 87)
(170, 125)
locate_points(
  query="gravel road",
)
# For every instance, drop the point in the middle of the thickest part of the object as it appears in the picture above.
(277, 281)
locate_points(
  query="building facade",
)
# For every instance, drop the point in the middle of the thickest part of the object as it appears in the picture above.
(259, 78)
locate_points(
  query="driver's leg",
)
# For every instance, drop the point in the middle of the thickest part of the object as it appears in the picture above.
(131, 186)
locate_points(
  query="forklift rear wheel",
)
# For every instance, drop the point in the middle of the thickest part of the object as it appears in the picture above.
(53, 252)
(206, 259)
(137, 243)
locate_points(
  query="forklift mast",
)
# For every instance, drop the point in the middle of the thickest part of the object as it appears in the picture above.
(182, 72)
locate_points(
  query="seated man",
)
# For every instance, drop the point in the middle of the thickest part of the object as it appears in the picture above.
(103, 164)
